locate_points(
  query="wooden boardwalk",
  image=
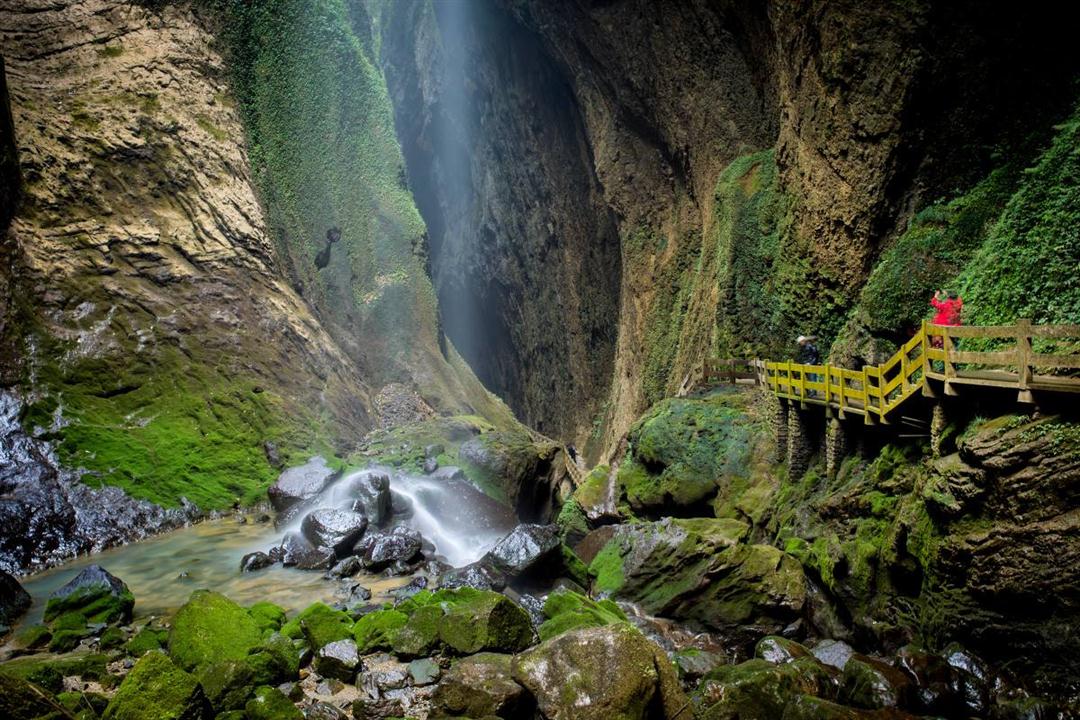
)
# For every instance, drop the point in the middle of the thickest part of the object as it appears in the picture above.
(931, 362)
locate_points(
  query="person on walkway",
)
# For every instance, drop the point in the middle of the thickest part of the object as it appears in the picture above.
(809, 355)
(948, 307)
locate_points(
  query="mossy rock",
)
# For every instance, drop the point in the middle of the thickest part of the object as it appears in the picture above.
(377, 630)
(600, 673)
(21, 700)
(157, 689)
(271, 704)
(146, 640)
(481, 686)
(566, 610)
(320, 625)
(49, 673)
(33, 637)
(760, 690)
(420, 635)
(275, 660)
(67, 640)
(112, 638)
(227, 685)
(685, 450)
(94, 593)
(211, 629)
(83, 705)
(268, 616)
(484, 620)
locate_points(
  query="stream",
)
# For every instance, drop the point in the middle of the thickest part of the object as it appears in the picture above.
(453, 515)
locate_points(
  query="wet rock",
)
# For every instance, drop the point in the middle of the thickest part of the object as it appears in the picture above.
(156, 688)
(477, 575)
(871, 683)
(692, 664)
(301, 484)
(532, 605)
(430, 465)
(525, 547)
(808, 707)
(227, 685)
(433, 451)
(420, 635)
(339, 659)
(14, 601)
(482, 686)
(356, 594)
(834, 653)
(297, 552)
(378, 550)
(424, 671)
(377, 708)
(779, 650)
(336, 530)
(49, 516)
(371, 490)
(95, 593)
(324, 711)
(449, 474)
(319, 625)
(346, 568)
(210, 629)
(414, 586)
(971, 678)
(401, 507)
(599, 673)
(255, 561)
(567, 610)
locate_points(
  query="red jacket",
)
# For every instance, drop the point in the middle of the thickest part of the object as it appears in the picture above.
(948, 311)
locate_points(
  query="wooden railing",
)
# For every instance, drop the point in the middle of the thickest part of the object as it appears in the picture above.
(932, 354)
(730, 371)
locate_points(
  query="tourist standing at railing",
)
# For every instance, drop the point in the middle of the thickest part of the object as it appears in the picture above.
(949, 307)
(809, 355)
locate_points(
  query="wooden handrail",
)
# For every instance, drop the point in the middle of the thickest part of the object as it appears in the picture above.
(877, 390)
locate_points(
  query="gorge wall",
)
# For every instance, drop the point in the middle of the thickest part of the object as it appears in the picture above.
(753, 161)
(167, 321)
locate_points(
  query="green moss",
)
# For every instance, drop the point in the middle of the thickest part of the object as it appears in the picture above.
(322, 625)
(420, 635)
(274, 661)
(227, 685)
(268, 616)
(146, 640)
(49, 673)
(607, 568)
(485, 621)
(566, 610)
(156, 689)
(211, 629)
(33, 637)
(90, 603)
(270, 704)
(112, 638)
(572, 521)
(376, 631)
(110, 51)
(211, 129)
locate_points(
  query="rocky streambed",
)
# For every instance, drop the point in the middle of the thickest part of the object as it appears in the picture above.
(430, 602)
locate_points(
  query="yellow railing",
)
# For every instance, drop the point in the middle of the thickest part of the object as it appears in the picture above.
(932, 354)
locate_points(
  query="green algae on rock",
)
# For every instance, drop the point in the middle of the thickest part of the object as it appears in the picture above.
(210, 628)
(156, 689)
(482, 685)
(482, 620)
(377, 630)
(270, 704)
(565, 610)
(21, 700)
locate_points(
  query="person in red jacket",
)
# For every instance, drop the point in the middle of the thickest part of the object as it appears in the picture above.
(948, 307)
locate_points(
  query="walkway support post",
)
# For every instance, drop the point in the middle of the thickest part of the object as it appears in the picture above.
(780, 411)
(836, 447)
(938, 422)
(799, 443)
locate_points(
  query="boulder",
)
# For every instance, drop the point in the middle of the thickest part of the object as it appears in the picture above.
(872, 683)
(255, 561)
(20, 700)
(267, 615)
(297, 552)
(210, 628)
(14, 601)
(600, 673)
(420, 635)
(525, 547)
(335, 530)
(378, 550)
(760, 690)
(157, 688)
(227, 685)
(370, 490)
(430, 465)
(346, 567)
(482, 686)
(94, 593)
(699, 569)
(479, 575)
(338, 659)
(480, 620)
(301, 484)
(319, 624)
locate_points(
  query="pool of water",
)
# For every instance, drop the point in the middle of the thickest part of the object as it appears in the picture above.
(163, 571)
